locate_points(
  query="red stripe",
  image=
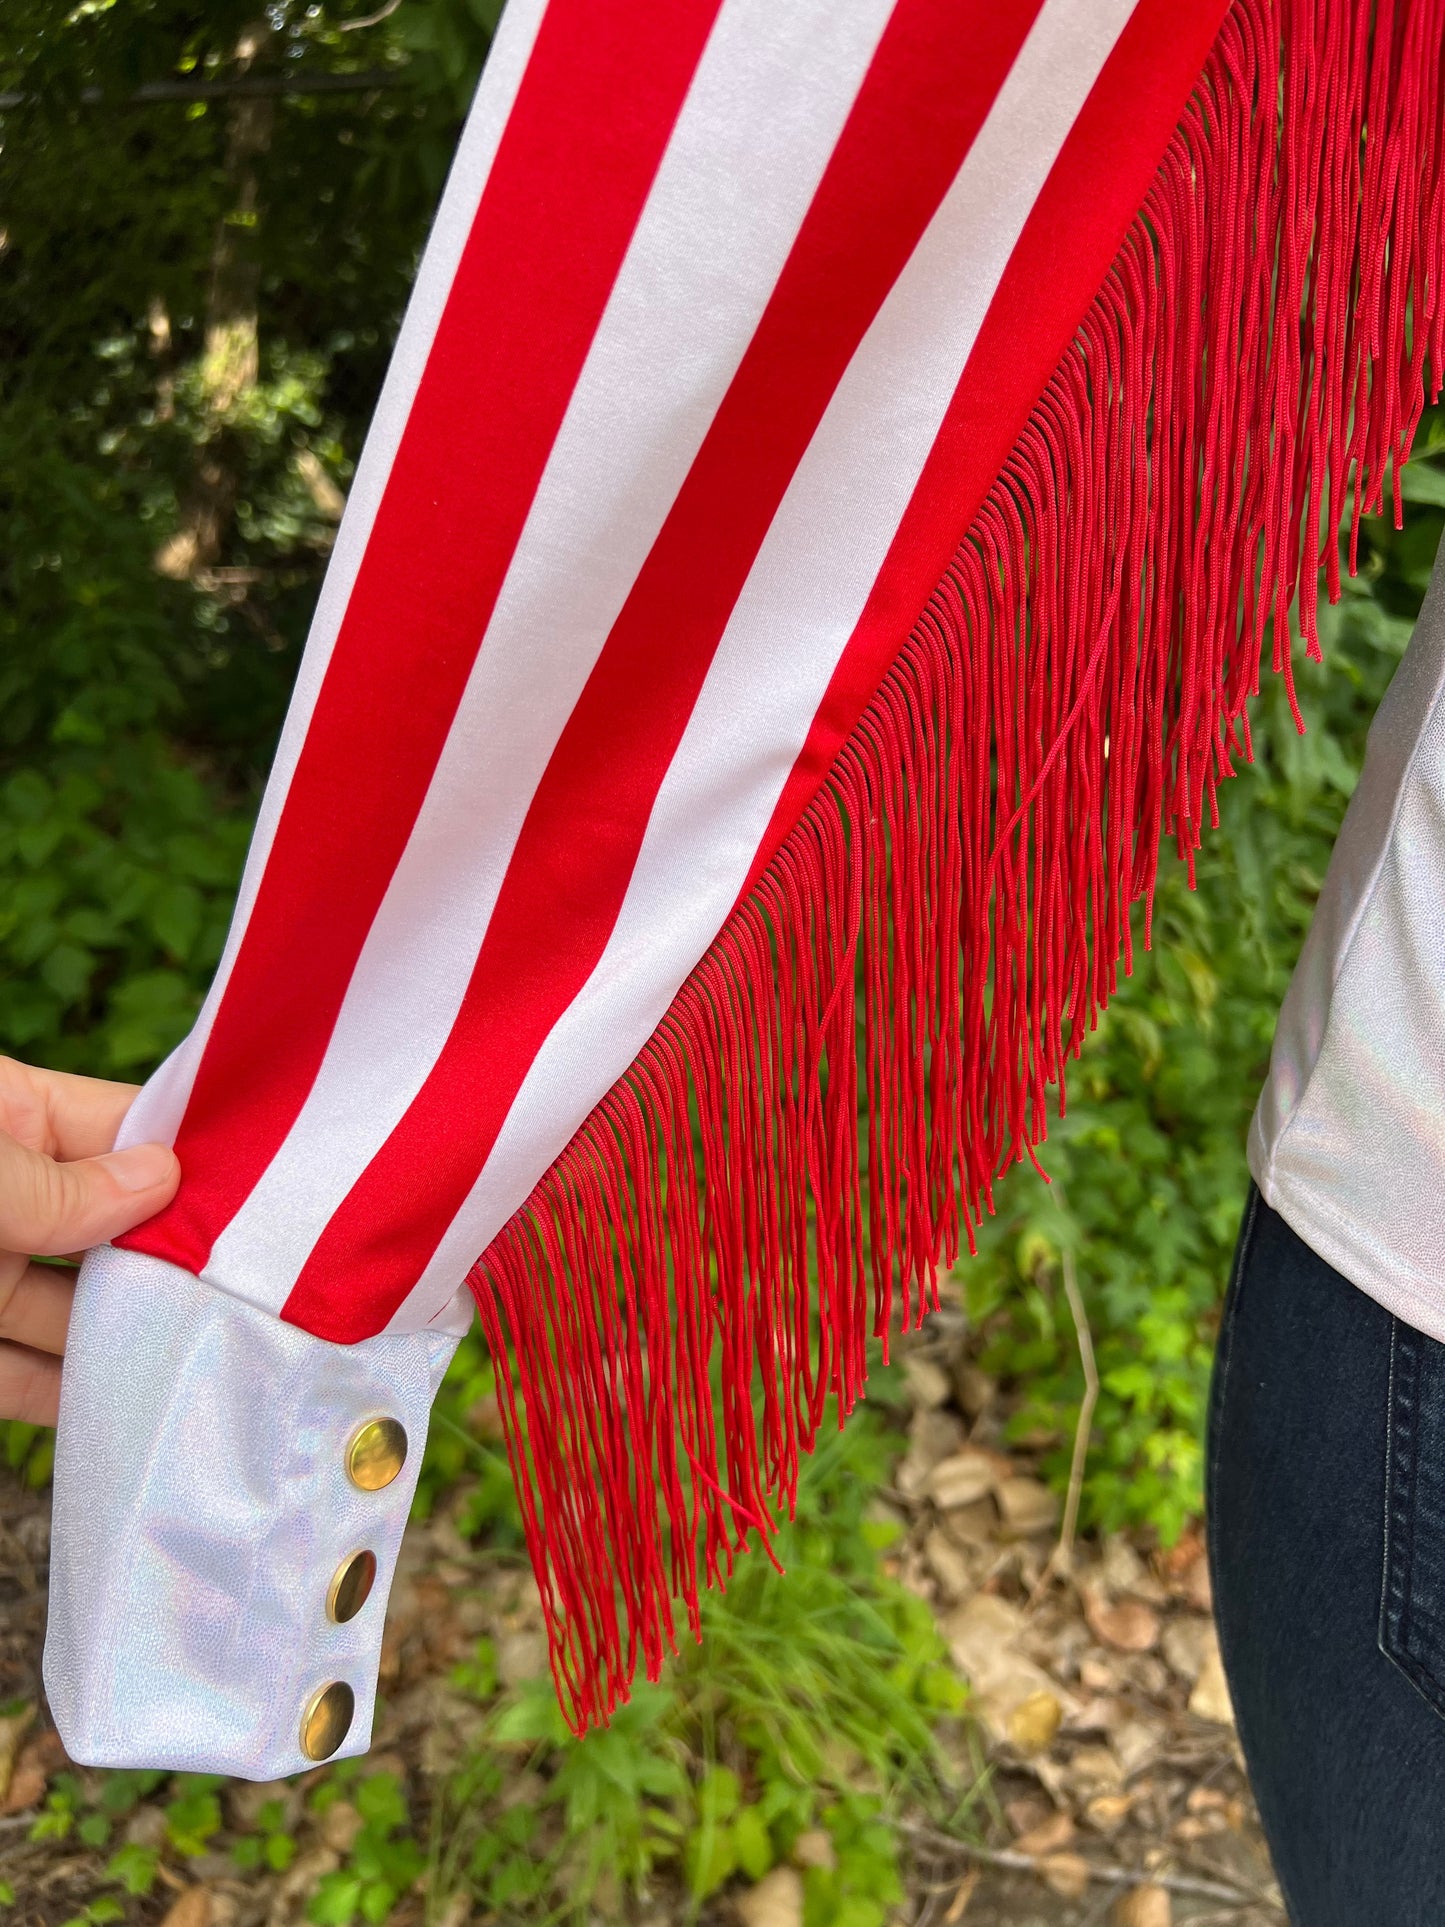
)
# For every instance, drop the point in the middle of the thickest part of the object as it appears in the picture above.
(903, 143)
(1076, 227)
(597, 104)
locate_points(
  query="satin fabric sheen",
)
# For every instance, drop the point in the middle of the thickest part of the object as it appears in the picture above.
(1348, 1142)
(205, 1506)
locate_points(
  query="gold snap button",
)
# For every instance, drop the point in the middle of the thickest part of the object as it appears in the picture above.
(327, 1720)
(350, 1587)
(376, 1454)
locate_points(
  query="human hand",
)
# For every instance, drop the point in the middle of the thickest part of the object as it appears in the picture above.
(62, 1189)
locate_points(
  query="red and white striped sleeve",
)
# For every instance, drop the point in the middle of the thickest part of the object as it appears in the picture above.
(731, 314)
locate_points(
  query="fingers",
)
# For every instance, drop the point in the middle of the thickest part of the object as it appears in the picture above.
(29, 1386)
(64, 1116)
(50, 1207)
(35, 1302)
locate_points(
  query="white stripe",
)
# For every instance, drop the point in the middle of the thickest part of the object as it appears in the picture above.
(157, 1112)
(800, 605)
(756, 131)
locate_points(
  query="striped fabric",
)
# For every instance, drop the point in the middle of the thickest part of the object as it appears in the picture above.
(732, 312)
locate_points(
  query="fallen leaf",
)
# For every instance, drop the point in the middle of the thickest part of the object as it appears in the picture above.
(1198, 1589)
(932, 1436)
(484, 1418)
(27, 1789)
(814, 1848)
(972, 1525)
(962, 1478)
(1196, 1827)
(1027, 1505)
(1027, 1811)
(1134, 1742)
(340, 1825)
(776, 1901)
(305, 1873)
(980, 1631)
(1120, 1566)
(1033, 1722)
(1097, 1675)
(1048, 1836)
(1094, 1769)
(521, 1656)
(39, 1758)
(1066, 1874)
(245, 1799)
(975, 1390)
(949, 1566)
(1103, 1714)
(1143, 1907)
(190, 1909)
(958, 1906)
(1206, 1799)
(146, 1827)
(926, 1383)
(1108, 1811)
(1184, 1644)
(1181, 1555)
(981, 1636)
(1210, 1698)
(13, 1728)
(1186, 1568)
(1129, 1626)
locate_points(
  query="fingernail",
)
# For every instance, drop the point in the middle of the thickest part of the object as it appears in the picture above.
(140, 1166)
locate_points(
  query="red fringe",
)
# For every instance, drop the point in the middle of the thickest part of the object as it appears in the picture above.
(697, 1276)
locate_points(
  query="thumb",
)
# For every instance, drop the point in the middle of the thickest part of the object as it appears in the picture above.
(51, 1208)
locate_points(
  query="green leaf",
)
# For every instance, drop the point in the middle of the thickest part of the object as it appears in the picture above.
(752, 1843)
(336, 1900)
(707, 1860)
(280, 1851)
(381, 1802)
(1419, 482)
(718, 1794)
(176, 916)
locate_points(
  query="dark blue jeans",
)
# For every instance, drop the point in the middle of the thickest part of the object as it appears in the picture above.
(1326, 1501)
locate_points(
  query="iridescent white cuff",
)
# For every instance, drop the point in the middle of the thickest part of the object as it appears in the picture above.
(209, 1528)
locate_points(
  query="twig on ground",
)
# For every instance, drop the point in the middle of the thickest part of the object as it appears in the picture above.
(1061, 1560)
(1012, 1862)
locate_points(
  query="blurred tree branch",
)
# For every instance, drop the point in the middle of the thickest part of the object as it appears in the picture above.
(237, 87)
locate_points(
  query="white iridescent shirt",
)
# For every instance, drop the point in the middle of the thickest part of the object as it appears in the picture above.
(1348, 1141)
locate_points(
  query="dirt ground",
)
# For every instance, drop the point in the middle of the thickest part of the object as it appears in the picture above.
(1100, 1738)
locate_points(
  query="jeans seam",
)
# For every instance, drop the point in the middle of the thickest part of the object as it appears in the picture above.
(1224, 1351)
(1394, 1631)
(1384, 1631)
(1225, 1346)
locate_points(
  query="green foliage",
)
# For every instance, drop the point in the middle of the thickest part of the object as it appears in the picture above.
(193, 1813)
(384, 1860)
(804, 1719)
(458, 1456)
(139, 704)
(138, 710)
(1148, 1162)
(810, 1706)
(271, 1846)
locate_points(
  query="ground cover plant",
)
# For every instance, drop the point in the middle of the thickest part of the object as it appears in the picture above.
(199, 300)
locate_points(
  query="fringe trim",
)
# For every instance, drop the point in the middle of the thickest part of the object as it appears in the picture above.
(697, 1276)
